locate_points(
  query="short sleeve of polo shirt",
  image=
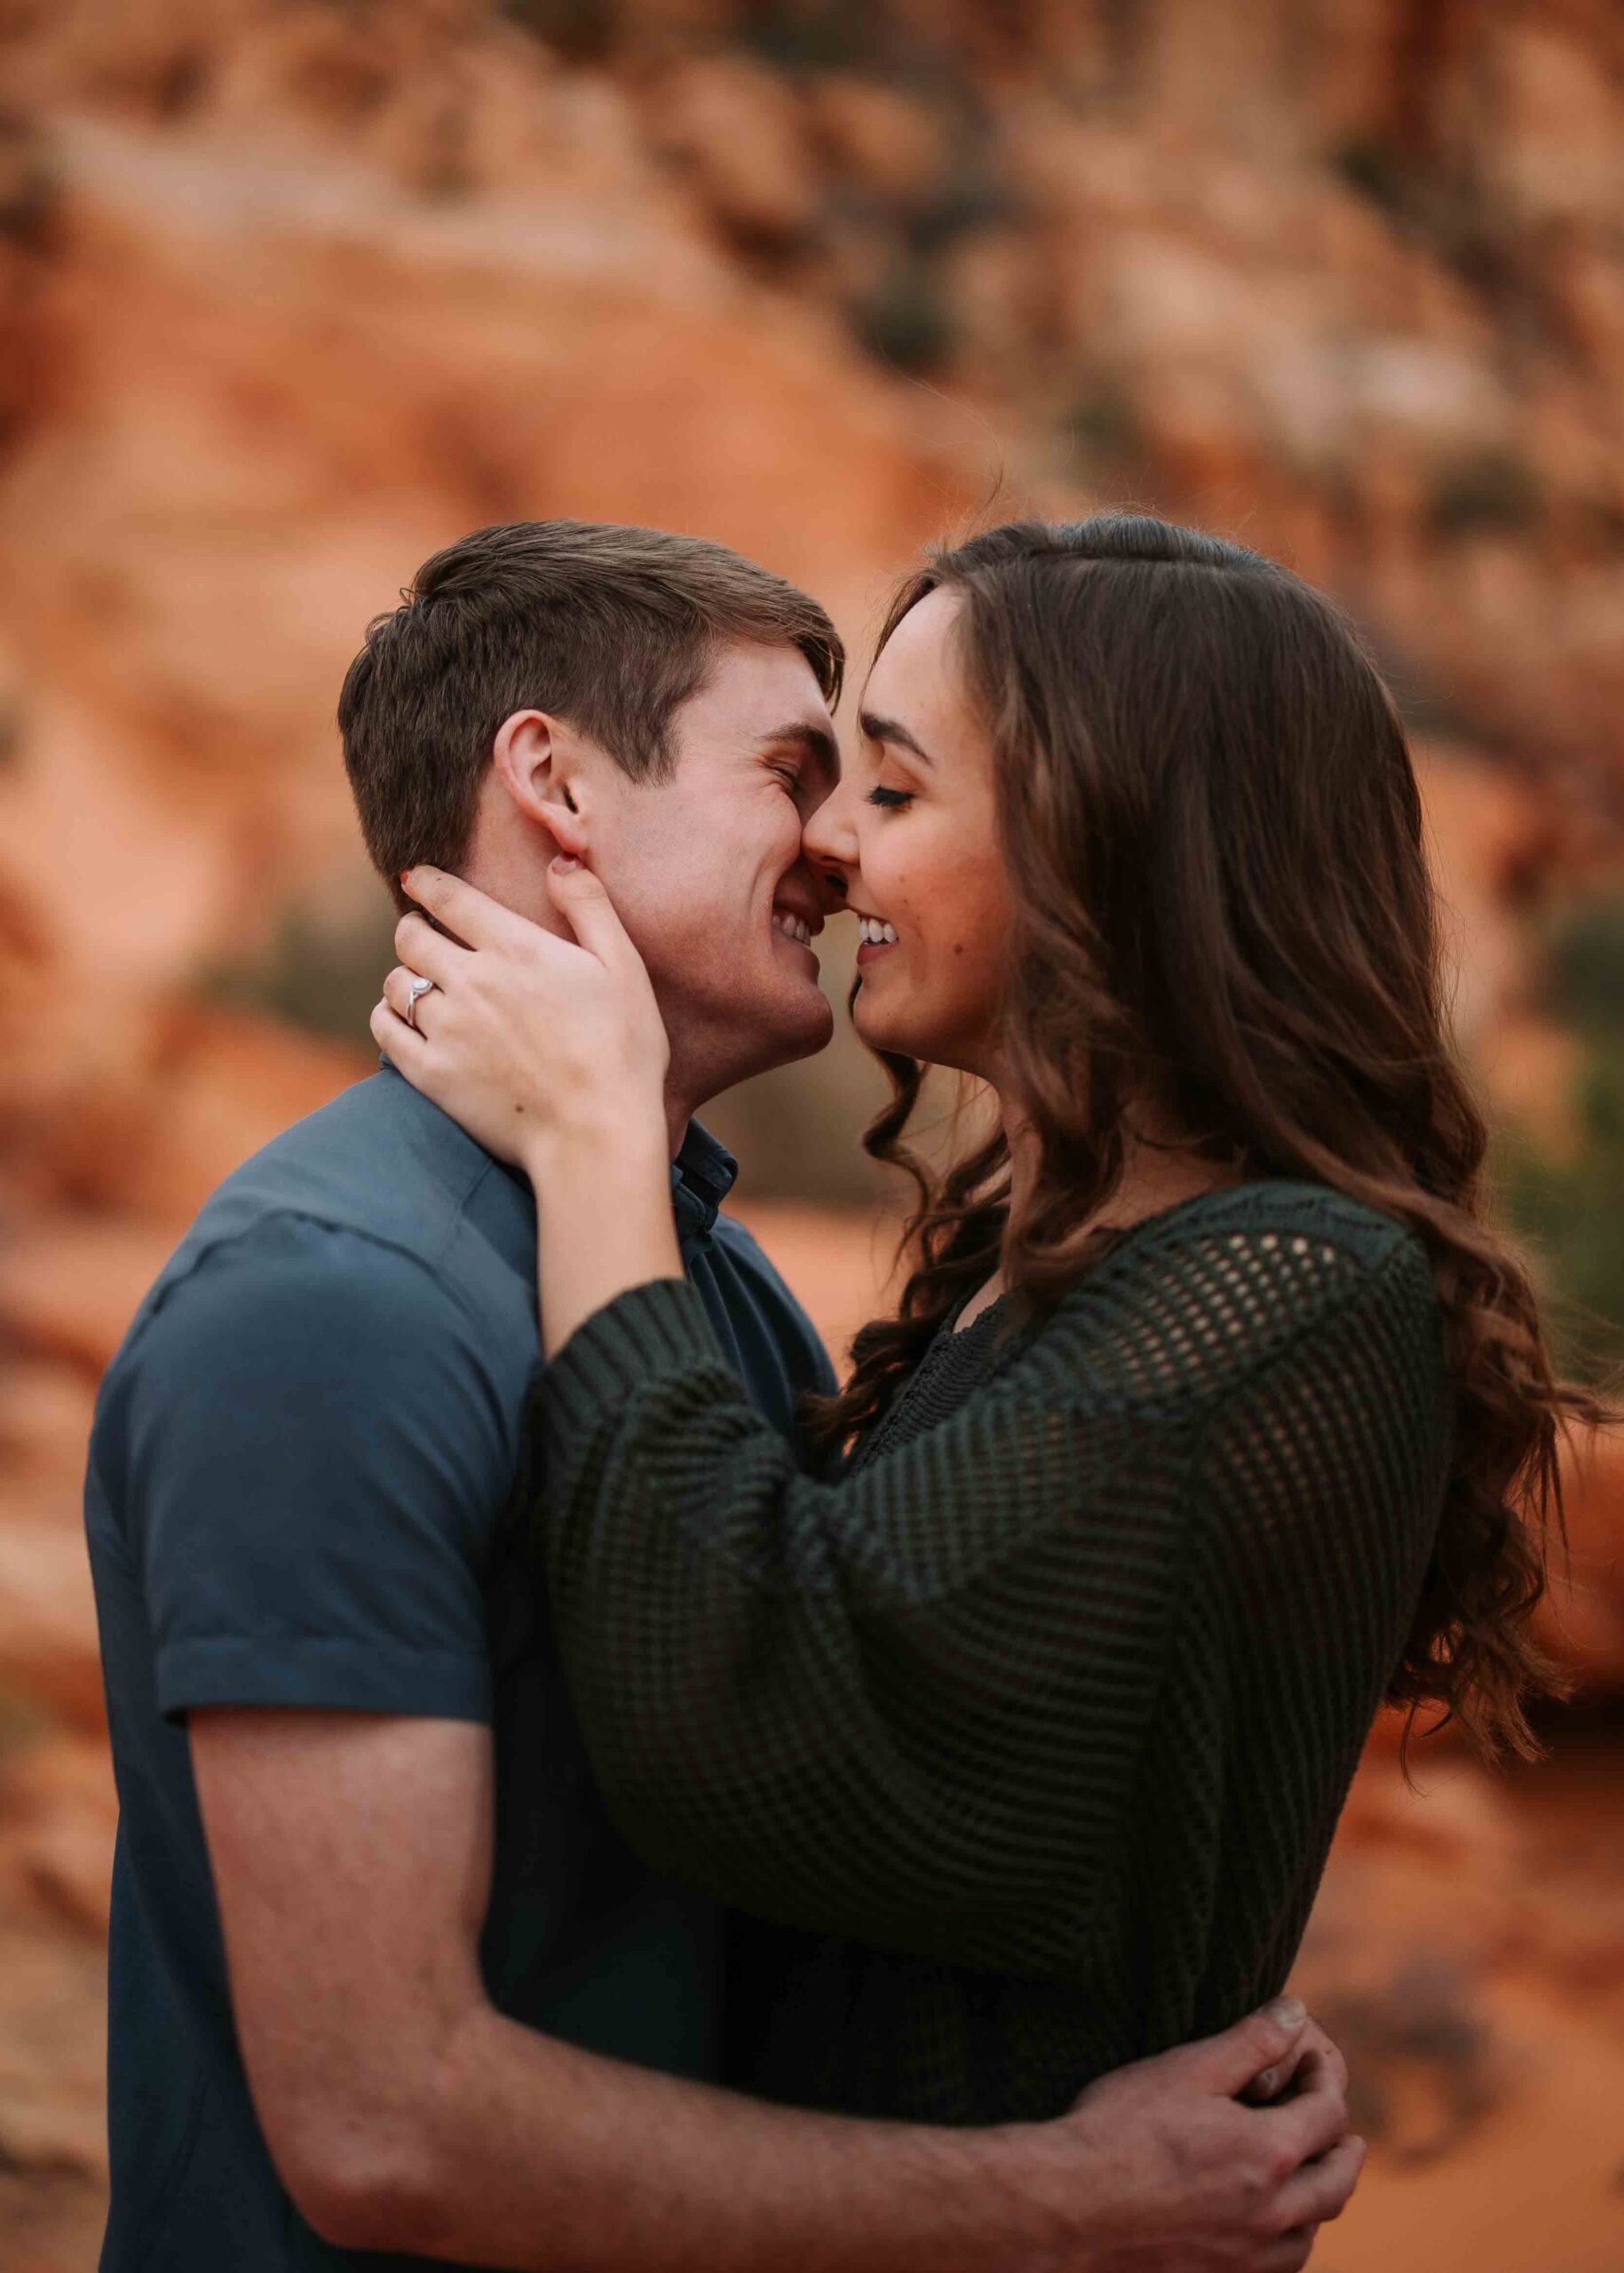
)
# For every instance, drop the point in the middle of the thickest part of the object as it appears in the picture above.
(315, 1457)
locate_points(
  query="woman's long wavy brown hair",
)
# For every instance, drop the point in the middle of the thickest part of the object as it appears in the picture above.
(1214, 838)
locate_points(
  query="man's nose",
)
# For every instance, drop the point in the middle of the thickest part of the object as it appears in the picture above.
(828, 848)
(828, 881)
(828, 876)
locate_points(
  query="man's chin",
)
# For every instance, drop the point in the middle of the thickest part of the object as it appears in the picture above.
(753, 1033)
(801, 1029)
(789, 1023)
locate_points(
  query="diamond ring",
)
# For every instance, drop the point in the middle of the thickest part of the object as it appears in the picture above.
(416, 989)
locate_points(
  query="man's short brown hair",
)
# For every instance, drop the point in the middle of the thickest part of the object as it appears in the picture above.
(608, 627)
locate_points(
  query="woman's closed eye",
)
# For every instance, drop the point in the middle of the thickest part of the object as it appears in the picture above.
(890, 799)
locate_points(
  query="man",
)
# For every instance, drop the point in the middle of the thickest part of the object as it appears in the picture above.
(384, 1977)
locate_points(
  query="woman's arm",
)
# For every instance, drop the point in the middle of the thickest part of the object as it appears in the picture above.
(604, 1223)
(911, 1706)
(906, 1707)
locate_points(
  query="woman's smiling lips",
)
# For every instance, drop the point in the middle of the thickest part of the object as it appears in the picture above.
(875, 937)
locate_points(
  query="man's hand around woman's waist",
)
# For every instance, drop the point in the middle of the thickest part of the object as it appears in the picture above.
(1180, 2174)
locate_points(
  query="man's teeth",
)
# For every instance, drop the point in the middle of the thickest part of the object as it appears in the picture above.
(872, 933)
(793, 927)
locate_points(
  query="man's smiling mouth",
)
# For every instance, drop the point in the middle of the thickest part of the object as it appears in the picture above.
(793, 926)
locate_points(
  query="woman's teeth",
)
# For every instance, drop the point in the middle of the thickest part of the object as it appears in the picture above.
(872, 933)
(791, 926)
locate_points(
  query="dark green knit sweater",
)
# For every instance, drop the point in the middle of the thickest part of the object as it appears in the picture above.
(1052, 1698)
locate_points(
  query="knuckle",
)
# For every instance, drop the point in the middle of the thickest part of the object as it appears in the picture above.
(1256, 2189)
(1260, 2035)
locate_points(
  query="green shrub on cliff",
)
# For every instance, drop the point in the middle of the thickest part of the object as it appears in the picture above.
(1573, 1210)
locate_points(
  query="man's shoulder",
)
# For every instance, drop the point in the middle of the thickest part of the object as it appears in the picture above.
(746, 1254)
(375, 1214)
(378, 1160)
(346, 1313)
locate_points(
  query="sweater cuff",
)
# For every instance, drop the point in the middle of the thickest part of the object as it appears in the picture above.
(650, 1331)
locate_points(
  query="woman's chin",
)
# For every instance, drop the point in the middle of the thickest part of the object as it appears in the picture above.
(890, 1029)
(933, 1042)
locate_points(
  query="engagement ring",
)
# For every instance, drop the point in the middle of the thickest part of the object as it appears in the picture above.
(415, 993)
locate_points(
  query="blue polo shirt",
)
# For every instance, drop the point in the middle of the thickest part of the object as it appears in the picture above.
(305, 1479)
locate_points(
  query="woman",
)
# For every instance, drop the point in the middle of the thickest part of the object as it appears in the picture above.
(1211, 1415)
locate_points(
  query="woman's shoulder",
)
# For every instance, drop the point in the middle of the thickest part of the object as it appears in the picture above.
(1188, 1302)
(1269, 1208)
(1299, 1243)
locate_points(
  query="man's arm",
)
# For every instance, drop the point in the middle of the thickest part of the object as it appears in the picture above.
(350, 1854)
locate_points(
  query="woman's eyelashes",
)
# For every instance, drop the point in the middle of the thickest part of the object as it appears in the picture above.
(890, 799)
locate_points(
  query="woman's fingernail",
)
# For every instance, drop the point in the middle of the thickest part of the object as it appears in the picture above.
(565, 864)
(1286, 2012)
(404, 874)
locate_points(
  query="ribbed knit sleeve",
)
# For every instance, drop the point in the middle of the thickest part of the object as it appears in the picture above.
(919, 1704)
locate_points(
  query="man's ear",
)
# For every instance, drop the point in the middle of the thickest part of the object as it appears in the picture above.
(534, 759)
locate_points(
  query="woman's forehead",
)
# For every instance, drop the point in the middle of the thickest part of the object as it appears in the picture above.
(917, 678)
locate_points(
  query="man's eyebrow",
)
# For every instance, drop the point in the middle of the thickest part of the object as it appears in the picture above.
(817, 742)
(877, 729)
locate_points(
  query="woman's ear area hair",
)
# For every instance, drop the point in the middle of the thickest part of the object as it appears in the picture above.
(533, 764)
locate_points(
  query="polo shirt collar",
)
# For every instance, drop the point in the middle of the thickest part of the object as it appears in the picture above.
(702, 1175)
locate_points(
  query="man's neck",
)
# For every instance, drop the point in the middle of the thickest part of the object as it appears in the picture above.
(514, 883)
(679, 1110)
